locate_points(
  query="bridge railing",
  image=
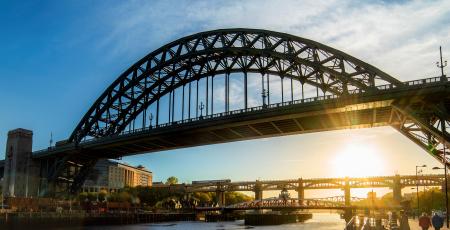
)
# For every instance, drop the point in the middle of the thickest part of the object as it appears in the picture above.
(223, 114)
(286, 103)
(316, 181)
(259, 108)
(406, 83)
(290, 202)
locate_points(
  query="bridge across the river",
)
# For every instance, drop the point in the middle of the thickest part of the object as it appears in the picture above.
(279, 204)
(396, 183)
(239, 84)
(290, 204)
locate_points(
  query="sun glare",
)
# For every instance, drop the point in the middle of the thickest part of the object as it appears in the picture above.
(356, 160)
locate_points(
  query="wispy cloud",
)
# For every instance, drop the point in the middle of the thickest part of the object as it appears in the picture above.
(400, 38)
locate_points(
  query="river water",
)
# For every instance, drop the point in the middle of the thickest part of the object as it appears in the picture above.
(320, 221)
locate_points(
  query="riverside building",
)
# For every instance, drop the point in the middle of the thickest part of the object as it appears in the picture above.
(111, 176)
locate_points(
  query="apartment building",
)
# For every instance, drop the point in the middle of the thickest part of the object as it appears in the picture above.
(111, 176)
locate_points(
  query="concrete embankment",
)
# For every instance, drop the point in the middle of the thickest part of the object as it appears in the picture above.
(49, 220)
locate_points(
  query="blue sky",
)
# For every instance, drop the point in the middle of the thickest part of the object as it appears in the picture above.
(57, 57)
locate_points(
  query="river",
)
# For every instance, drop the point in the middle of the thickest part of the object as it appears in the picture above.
(320, 221)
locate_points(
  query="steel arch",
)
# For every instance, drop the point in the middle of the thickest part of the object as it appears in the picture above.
(222, 52)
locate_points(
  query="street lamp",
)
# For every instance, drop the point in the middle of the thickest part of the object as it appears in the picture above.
(445, 190)
(417, 186)
(201, 107)
(150, 117)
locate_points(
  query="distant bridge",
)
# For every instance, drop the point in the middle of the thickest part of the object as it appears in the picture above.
(278, 204)
(396, 183)
(274, 203)
(240, 84)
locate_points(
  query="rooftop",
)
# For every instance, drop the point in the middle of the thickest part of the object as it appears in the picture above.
(139, 167)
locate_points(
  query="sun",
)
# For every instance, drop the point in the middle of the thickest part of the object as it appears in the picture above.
(357, 160)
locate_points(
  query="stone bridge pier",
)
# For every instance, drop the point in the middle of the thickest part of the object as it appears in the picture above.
(258, 190)
(397, 189)
(347, 195)
(300, 192)
(220, 197)
(21, 171)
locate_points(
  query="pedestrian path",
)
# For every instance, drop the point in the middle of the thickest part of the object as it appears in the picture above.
(414, 224)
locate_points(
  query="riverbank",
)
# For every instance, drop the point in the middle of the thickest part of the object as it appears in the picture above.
(43, 220)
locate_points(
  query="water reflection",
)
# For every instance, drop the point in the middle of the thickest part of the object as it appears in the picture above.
(320, 221)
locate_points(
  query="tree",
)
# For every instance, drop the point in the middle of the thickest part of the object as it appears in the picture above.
(82, 196)
(172, 180)
(431, 199)
(102, 195)
(204, 198)
(120, 197)
(236, 197)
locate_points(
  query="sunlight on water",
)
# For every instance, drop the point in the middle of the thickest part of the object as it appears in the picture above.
(320, 221)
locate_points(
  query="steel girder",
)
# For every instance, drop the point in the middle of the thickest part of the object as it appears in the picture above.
(310, 184)
(224, 51)
(426, 124)
(340, 199)
(67, 174)
(273, 203)
(80, 177)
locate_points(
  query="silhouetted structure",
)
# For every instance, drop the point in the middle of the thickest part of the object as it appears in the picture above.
(321, 89)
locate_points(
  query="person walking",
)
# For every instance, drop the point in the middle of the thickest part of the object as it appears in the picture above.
(404, 225)
(437, 221)
(424, 221)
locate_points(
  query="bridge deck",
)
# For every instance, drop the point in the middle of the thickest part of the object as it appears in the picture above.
(312, 184)
(360, 110)
(290, 204)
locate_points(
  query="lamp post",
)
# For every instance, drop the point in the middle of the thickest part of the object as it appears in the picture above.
(150, 117)
(415, 213)
(201, 107)
(264, 95)
(441, 66)
(417, 186)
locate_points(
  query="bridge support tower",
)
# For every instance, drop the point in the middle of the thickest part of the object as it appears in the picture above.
(220, 197)
(397, 189)
(21, 173)
(300, 192)
(347, 195)
(258, 190)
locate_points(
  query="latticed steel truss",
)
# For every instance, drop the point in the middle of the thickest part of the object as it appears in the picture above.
(313, 184)
(427, 124)
(247, 51)
(66, 174)
(274, 203)
(223, 52)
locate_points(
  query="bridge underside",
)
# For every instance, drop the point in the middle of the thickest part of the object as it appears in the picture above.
(417, 112)
(193, 75)
(239, 127)
(356, 111)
